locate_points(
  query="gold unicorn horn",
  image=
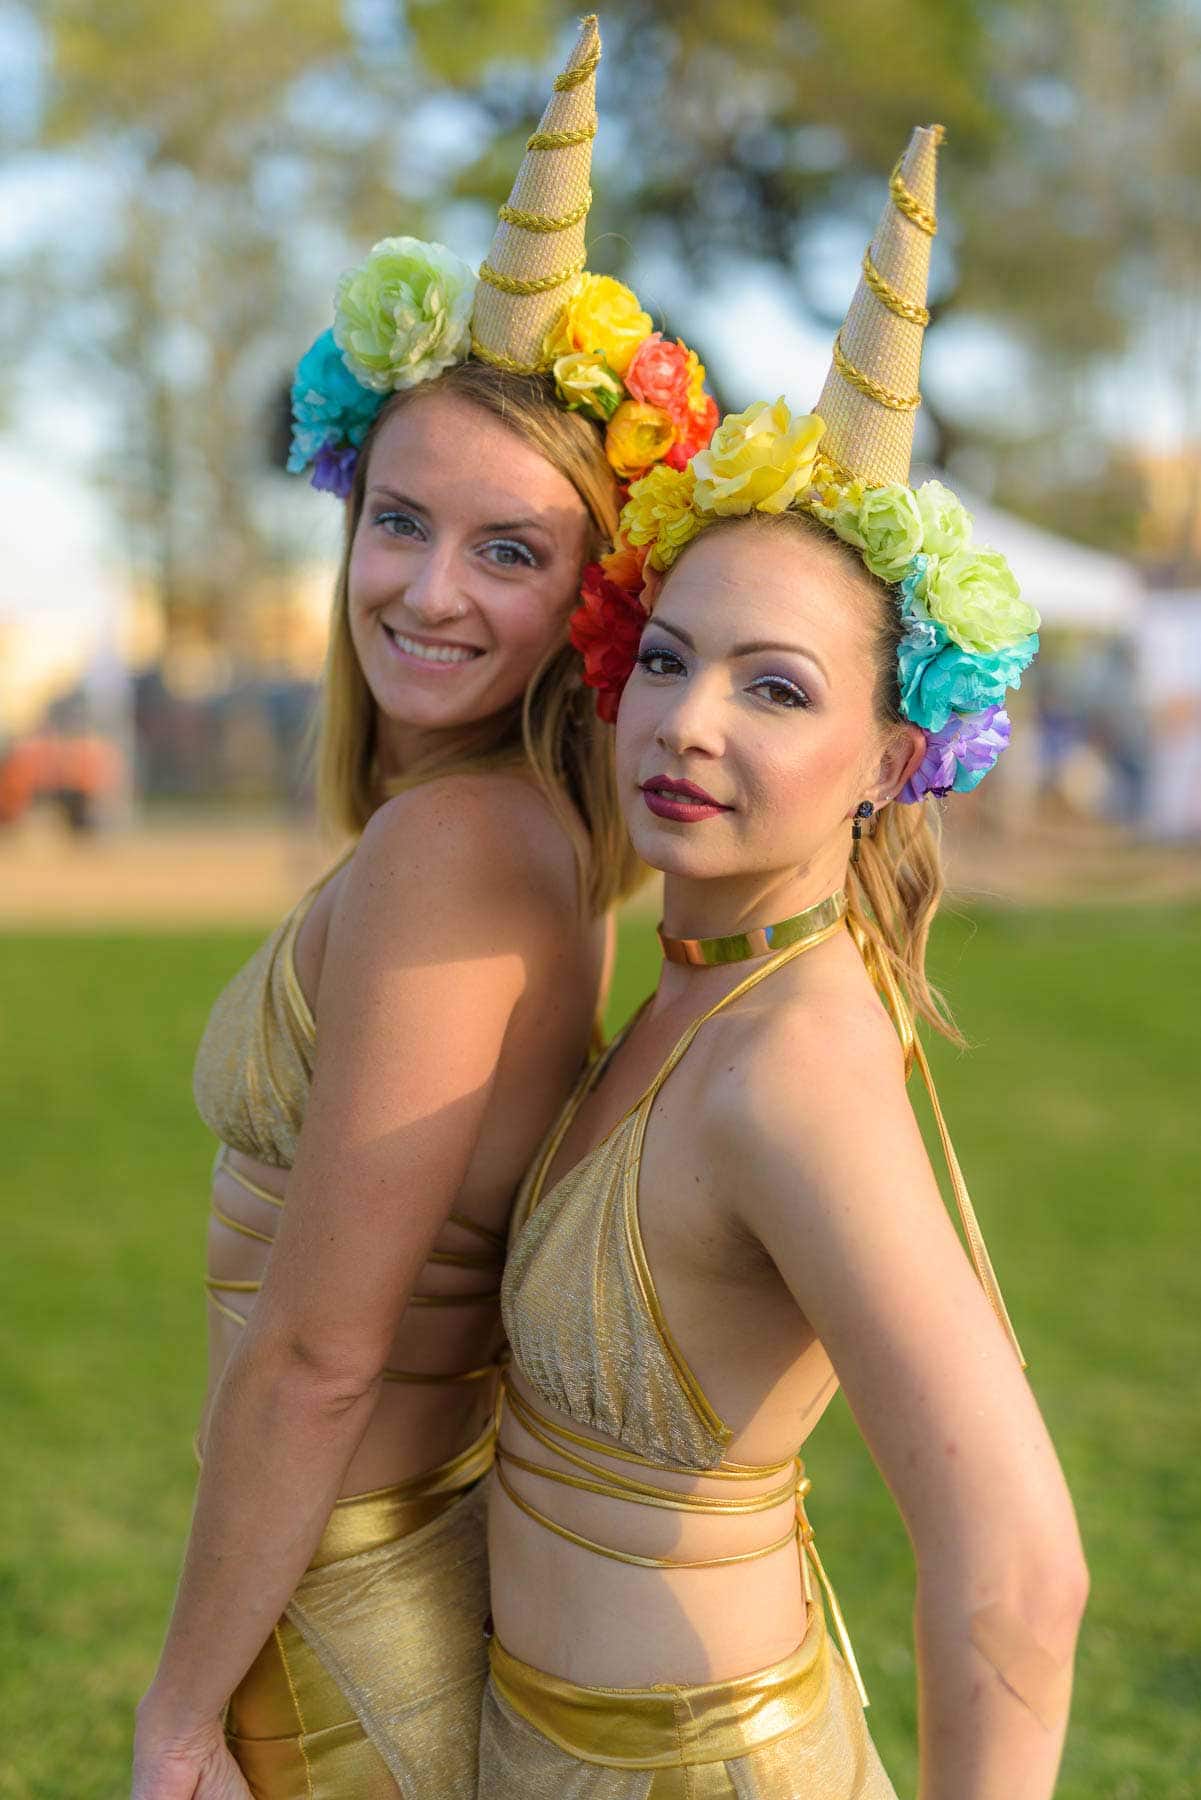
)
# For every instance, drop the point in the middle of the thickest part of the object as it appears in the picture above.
(871, 392)
(538, 251)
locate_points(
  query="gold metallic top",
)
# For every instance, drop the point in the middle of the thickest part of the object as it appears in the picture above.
(253, 1072)
(589, 1336)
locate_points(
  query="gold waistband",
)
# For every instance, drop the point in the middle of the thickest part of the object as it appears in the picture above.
(670, 1726)
(368, 1521)
(385, 1515)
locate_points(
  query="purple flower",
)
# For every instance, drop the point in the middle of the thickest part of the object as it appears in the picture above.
(333, 471)
(960, 755)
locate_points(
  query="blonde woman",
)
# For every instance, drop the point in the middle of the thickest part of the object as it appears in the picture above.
(735, 1214)
(380, 1073)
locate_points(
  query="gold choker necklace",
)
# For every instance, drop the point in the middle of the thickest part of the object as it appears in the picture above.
(811, 925)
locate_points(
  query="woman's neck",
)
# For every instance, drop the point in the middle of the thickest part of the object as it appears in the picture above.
(727, 904)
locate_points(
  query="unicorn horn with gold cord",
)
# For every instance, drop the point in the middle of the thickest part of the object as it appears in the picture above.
(537, 254)
(871, 393)
(413, 309)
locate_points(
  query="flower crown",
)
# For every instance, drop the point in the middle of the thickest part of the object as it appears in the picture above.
(413, 309)
(967, 634)
(403, 316)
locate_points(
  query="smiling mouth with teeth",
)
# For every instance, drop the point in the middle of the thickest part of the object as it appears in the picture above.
(434, 653)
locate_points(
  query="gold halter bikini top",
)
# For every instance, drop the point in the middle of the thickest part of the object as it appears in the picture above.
(588, 1333)
(252, 1077)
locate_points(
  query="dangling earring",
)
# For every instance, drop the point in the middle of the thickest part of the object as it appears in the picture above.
(863, 811)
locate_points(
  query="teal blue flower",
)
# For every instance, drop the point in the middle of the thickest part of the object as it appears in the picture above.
(330, 408)
(938, 678)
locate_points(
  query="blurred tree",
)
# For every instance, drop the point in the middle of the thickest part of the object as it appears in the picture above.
(261, 145)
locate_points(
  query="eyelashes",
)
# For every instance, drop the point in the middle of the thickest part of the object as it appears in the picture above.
(778, 690)
(518, 554)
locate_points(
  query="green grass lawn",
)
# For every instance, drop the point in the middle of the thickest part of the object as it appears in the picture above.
(1074, 1115)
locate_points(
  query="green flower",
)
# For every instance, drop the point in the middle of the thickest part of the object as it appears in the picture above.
(946, 523)
(890, 530)
(974, 596)
(404, 314)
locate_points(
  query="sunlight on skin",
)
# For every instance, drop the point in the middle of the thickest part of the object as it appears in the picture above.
(478, 556)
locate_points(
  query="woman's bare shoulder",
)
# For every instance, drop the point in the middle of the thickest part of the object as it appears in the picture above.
(792, 1077)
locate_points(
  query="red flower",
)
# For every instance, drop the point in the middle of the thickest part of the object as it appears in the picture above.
(694, 435)
(606, 628)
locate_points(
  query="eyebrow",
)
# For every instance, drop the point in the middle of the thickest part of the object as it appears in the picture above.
(502, 525)
(755, 649)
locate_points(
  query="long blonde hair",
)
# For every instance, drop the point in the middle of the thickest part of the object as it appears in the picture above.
(553, 730)
(894, 889)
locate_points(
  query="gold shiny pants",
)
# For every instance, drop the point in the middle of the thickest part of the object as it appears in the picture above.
(794, 1731)
(370, 1686)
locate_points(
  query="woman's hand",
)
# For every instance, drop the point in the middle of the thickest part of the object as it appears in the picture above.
(198, 1767)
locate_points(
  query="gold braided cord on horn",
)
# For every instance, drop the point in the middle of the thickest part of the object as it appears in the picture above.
(499, 360)
(892, 298)
(874, 390)
(560, 140)
(583, 69)
(910, 205)
(533, 221)
(540, 284)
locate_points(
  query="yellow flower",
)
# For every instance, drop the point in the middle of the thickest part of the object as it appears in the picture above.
(638, 436)
(759, 459)
(659, 513)
(603, 316)
(587, 384)
(696, 382)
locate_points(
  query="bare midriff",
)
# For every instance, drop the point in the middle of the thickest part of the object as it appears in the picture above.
(417, 1423)
(607, 1623)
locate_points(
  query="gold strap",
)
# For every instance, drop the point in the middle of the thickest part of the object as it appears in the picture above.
(613, 1486)
(884, 979)
(252, 1187)
(481, 1231)
(471, 1299)
(628, 1556)
(260, 1237)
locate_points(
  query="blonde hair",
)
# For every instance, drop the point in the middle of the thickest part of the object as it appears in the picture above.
(552, 731)
(895, 887)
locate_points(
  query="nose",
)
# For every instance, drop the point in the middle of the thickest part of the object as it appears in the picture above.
(432, 593)
(691, 719)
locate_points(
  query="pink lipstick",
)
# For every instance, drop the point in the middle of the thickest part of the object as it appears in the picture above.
(682, 801)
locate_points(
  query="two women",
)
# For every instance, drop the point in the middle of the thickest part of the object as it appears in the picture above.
(381, 1072)
(735, 1213)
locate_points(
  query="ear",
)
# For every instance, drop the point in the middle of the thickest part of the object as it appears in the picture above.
(903, 751)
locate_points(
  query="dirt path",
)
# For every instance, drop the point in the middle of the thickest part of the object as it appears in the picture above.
(181, 874)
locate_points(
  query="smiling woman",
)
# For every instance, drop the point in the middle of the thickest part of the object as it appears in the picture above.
(379, 1074)
(475, 500)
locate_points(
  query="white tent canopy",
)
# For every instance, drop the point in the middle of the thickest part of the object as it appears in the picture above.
(1071, 585)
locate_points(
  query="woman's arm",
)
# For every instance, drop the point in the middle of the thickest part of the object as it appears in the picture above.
(425, 962)
(833, 1179)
